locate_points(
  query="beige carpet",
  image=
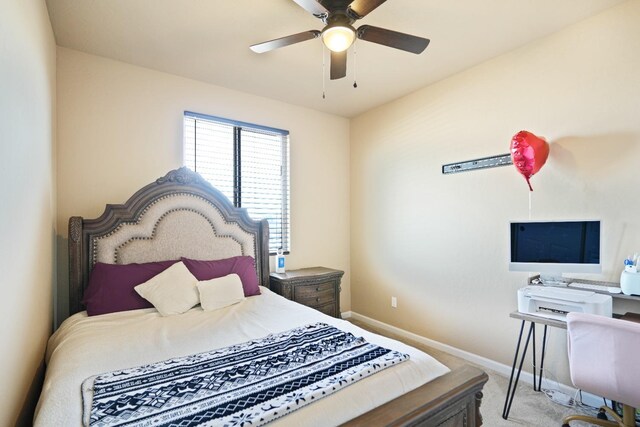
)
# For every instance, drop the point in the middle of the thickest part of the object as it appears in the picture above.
(529, 408)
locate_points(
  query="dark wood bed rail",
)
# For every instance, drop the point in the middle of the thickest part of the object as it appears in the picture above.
(450, 400)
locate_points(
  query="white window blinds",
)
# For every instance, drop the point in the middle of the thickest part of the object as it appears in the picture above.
(248, 163)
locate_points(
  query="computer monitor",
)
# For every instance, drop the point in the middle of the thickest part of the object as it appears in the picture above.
(555, 247)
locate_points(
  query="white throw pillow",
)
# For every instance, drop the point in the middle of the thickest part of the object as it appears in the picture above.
(220, 292)
(173, 291)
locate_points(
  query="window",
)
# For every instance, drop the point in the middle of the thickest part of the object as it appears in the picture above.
(247, 163)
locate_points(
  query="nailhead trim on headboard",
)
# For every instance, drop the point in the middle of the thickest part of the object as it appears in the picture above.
(153, 233)
(95, 239)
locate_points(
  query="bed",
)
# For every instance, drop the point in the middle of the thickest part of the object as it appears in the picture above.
(181, 215)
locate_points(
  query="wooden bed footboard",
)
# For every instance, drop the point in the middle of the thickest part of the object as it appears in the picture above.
(452, 400)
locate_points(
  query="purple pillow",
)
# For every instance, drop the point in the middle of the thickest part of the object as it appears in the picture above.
(111, 286)
(243, 266)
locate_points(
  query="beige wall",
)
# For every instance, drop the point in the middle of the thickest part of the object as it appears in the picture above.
(120, 127)
(440, 243)
(27, 214)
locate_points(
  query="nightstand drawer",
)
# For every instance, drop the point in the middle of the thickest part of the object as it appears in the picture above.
(329, 309)
(314, 295)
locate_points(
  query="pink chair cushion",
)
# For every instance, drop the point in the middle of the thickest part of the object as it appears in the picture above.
(604, 356)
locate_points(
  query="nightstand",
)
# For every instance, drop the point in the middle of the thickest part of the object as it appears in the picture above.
(315, 287)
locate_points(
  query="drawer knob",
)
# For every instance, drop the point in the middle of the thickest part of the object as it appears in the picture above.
(317, 299)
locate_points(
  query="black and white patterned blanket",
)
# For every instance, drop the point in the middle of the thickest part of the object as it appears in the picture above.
(248, 384)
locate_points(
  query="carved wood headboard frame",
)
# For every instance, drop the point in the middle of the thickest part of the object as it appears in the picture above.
(84, 233)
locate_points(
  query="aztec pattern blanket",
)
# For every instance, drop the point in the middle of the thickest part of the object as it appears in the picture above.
(248, 384)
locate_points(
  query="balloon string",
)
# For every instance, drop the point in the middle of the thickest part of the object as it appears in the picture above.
(323, 70)
(529, 204)
(355, 65)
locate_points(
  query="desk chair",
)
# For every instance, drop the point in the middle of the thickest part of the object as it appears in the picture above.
(604, 359)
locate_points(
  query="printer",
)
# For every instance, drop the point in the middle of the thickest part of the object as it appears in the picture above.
(555, 303)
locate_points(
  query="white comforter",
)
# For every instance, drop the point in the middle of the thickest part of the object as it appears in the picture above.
(84, 346)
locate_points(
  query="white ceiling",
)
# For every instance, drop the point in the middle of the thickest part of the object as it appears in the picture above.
(208, 40)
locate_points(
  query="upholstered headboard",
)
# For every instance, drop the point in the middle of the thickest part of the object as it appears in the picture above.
(178, 215)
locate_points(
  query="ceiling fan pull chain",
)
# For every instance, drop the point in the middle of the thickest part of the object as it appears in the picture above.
(355, 64)
(323, 70)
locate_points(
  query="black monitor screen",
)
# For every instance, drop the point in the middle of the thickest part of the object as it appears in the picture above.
(567, 242)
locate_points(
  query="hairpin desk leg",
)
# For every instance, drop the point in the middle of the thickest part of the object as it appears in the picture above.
(533, 368)
(511, 391)
(544, 344)
(537, 370)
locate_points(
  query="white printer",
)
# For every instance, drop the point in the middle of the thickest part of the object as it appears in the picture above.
(555, 303)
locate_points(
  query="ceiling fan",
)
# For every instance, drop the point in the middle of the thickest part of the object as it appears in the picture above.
(339, 34)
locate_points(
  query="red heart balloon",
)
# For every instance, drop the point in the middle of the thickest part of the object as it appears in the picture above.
(528, 153)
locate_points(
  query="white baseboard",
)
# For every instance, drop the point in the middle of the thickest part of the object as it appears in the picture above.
(500, 368)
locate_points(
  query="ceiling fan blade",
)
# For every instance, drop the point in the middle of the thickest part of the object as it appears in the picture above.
(362, 8)
(285, 41)
(313, 7)
(338, 65)
(394, 39)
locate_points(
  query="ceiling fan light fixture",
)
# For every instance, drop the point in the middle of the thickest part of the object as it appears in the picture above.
(338, 38)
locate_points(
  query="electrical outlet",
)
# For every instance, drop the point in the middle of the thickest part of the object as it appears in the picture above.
(394, 302)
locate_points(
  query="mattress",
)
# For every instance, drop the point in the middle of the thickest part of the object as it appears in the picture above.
(84, 346)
